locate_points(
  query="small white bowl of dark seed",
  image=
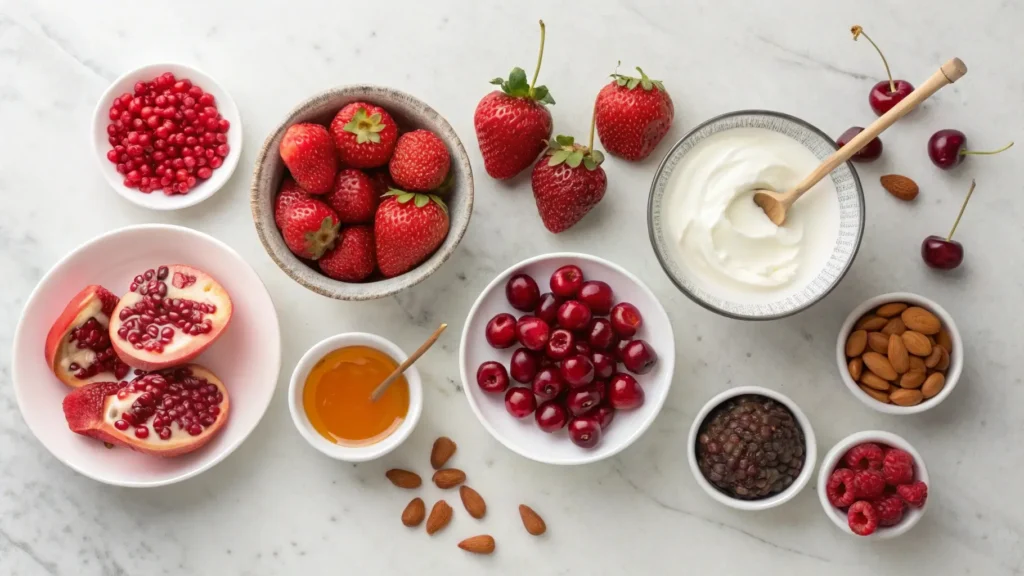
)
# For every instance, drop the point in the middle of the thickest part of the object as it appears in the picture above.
(751, 448)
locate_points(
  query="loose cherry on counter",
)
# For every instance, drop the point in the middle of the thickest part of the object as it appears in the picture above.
(947, 148)
(945, 253)
(585, 431)
(868, 153)
(524, 366)
(566, 281)
(492, 377)
(626, 319)
(520, 402)
(597, 295)
(522, 292)
(532, 332)
(548, 384)
(551, 416)
(501, 331)
(887, 93)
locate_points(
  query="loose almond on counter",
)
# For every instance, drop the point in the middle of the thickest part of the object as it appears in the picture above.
(880, 365)
(532, 521)
(442, 451)
(473, 502)
(900, 186)
(897, 355)
(404, 478)
(449, 478)
(440, 516)
(856, 343)
(917, 343)
(482, 544)
(414, 512)
(878, 342)
(921, 320)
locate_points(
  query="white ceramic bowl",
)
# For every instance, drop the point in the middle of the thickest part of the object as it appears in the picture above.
(523, 436)
(911, 515)
(956, 359)
(247, 357)
(157, 200)
(353, 453)
(810, 450)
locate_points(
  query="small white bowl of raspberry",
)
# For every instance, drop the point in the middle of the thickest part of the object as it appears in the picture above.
(873, 484)
(166, 136)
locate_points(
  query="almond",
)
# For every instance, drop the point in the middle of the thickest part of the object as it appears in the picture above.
(912, 379)
(917, 364)
(443, 449)
(897, 355)
(904, 397)
(879, 365)
(872, 380)
(895, 326)
(870, 322)
(933, 384)
(876, 394)
(414, 512)
(449, 478)
(916, 343)
(440, 516)
(473, 502)
(878, 342)
(856, 367)
(532, 521)
(482, 544)
(943, 360)
(933, 359)
(404, 478)
(921, 320)
(856, 342)
(944, 340)
(891, 309)
(900, 186)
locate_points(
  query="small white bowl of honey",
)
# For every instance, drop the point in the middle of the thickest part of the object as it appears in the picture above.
(329, 397)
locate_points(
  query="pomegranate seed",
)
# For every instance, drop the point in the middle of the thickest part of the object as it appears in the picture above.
(142, 432)
(121, 425)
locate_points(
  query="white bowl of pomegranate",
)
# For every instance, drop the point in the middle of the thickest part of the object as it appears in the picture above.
(567, 358)
(361, 192)
(873, 484)
(166, 136)
(159, 342)
(751, 448)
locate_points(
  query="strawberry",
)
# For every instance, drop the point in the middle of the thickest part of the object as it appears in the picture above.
(513, 125)
(568, 182)
(309, 227)
(309, 154)
(364, 135)
(290, 191)
(353, 197)
(420, 162)
(408, 228)
(633, 115)
(382, 181)
(352, 259)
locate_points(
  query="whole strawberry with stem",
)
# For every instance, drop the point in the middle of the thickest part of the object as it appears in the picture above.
(513, 124)
(364, 135)
(309, 227)
(568, 182)
(633, 115)
(408, 228)
(308, 152)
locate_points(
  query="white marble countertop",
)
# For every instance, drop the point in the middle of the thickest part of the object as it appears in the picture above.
(278, 507)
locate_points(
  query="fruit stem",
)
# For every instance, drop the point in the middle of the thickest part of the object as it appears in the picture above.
(858, 31)
(986, 152)
(593, 123)
(962, 206)
(540, 57)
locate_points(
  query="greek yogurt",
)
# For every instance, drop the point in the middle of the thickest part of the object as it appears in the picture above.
(727, 244)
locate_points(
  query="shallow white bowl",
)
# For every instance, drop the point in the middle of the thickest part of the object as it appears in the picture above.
(956, 359)
(810, 450)
(353, 453)
(247, 357)
(157, 200)
(523, 436)
(911, 515)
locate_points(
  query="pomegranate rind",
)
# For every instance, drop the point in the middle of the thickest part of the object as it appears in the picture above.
(88, 303)
(184, 347)
(90, 411)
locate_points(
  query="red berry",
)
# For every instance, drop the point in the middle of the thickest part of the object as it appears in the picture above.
(492, 377)
(639, 357)
(604, 414)
(914, 494)
(869, 153)
(573, 315)
(566, 281)
(890, 510)
(548, 383)
(520, 402)
(604, 365)
(353, 258)
(420, 162)
(868, 484)
(585, 431)
(600, 334)
(584, 399)
(533, 333)
(863, 518)
(309, 227)
(839, 488)
(882, 98)
(577, 371)
(597, 295)
(633, 115)
(408, 229)
(501, 331)
(364, 135)
(565, 194)
(522, 293)
(547, 308)
(511, 131)
(626, 319)
(583, 348)
(619, 349)
(561, 344)
(523, 366)
(551, 416)
(353, 197)
(308, 152)
(898, 467)
(864, 456)
(624, 392)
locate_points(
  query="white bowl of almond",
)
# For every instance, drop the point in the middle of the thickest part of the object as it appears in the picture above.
(900, 353)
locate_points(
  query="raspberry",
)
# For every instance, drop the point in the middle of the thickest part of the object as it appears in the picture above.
(863, 518)
(890, 510)
(840, 488)
(868, 484)
(914, 494)
(898, 467)
(864, 456)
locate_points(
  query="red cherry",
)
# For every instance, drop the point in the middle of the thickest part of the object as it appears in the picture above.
(604, 364)
(520, 402)
(626, 319)
(561, 344)
(533, 333)
(566, 281)
(551, 416)
(945, 253)
(868, 153)
(573, 315)
(547, 308)
(597, 295)
(522, 292)
(887, 93)
(548, 384)
(600, 334)
(583, 400)
(585, 431)
(624, 392)
(492, 377)
(947, 148)
(524, 366)
(604, 414)
(639, 357)
(582, 348)
(501, 331)
(620, 348)
(577, 371)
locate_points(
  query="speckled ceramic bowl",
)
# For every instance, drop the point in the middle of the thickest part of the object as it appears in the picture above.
(410, 114)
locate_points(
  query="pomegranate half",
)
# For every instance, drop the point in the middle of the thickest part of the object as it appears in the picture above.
(78, 348)
(168, 317)
(166, 413)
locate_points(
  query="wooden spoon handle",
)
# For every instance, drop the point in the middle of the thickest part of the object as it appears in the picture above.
(949, 72)
(379, 390)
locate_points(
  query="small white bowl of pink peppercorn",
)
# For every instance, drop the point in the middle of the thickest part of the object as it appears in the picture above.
(166, 136)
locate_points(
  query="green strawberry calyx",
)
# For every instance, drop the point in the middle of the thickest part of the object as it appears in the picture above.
(516, 85)
(631, 82)
(418, 199)
(563, 149)
(367, 127)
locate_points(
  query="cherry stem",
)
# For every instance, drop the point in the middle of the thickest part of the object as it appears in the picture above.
(540, 57)
(985, 152)
(962, 206)
(892, 85)
(593, 122)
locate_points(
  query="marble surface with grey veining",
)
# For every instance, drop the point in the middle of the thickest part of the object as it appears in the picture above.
(278, 507)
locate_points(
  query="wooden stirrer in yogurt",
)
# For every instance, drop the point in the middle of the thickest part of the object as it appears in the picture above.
(379, 390)
(776, 204)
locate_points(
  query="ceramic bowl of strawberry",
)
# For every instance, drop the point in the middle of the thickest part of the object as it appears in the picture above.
(361, 192)
(566, 358)
(122, 346)
(873, 484)
(166, 136)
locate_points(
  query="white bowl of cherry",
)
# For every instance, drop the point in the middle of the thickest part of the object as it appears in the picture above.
(567, 358)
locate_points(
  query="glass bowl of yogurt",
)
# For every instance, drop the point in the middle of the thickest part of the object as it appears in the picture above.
(720, 249)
